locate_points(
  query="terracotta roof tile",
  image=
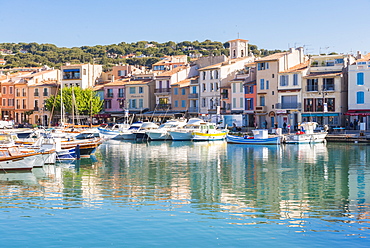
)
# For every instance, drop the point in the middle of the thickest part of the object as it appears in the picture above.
(274, 56)
(171, 72)
(365, 58)
(297, 68)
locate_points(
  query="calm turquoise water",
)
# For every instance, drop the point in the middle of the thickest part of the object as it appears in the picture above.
(183, 194)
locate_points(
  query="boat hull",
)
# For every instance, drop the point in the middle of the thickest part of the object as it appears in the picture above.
(305, 138)
(242, 140)
(181, 135)
(200, 136)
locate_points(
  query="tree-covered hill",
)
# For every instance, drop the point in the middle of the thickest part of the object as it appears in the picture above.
(143, 53)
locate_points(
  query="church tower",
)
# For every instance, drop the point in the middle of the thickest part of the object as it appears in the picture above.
(238, 48)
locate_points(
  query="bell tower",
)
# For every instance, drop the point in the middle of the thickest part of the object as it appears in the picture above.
(238, 48)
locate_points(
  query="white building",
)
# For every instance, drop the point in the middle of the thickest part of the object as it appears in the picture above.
(81, 75)
(359, 91)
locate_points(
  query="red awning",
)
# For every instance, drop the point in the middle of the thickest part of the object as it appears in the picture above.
(357, 114)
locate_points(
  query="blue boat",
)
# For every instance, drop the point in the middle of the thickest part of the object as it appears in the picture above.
(260, 137)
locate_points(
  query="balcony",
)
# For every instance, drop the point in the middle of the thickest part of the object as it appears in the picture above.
(36, 108)
(46, 94)
(194, 95)
(162, 106)
(109, 95)
(36, 94)
(312, 88)
(163, 90)
(261, 108)
(121, 95)
(193, 110)
(289, 105)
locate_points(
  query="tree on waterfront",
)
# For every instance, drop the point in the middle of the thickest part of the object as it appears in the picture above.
(76, 100)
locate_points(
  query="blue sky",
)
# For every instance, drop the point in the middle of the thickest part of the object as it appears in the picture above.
(318, 25)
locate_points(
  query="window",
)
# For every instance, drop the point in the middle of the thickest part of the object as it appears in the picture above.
(84, 71)
(204, 102)
(241, 99)
(204, 87)
(36, 93)
(121, 93)
(312, 84)
(251, 89)
(262, 101)
(330, 103)
(109, 93)
(204, 75)
(360, 97)
(211, 74)
(262, 84)
(194, 88)
(141, 90)
(133, 103)
(234, 102)
(267, 84)
(4, 102)
(289, 102)
(176, 91)
(246, 90)
(24, 104)
(241, 87)
(183, 91)
(45, 92)
(11, 90)
(132, 90)
(141, 103)
(284, 80)
(122, 73)
(211, 87)
(71, 74)
(216, 74)
(108, 104)
(262, 66)
(295, 79)
(4, 90)
(176, 104)
(360, 78)
(183, 103)
(216, 86)
(328, 83)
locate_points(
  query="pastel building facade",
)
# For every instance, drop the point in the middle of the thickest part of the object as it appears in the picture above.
(81, 75)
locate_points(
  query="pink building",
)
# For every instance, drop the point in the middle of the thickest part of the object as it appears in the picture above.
(114, 97)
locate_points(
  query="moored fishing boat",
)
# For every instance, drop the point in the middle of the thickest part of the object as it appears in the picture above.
(260, 137)
(129, 133)
(209, 132)
(306, 135)
(186, 133)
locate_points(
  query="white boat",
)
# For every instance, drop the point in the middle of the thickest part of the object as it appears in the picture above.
(12, 158)
(209, 132)
(162, 132)
(306, 135)
(186, 133)
(114, 130)
(129, 133)
(140, 134)
(260, 137)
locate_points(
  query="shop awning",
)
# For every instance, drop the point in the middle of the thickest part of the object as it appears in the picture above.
(320, 114)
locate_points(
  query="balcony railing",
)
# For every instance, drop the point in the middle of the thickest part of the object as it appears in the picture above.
(36, 94)
(194, 95)
(121, 95)
(163, 90)
(194, 110)
(163, 106)
(36, 108)
(289, 105)
(46, 94)
(312, 88)
(109, 95)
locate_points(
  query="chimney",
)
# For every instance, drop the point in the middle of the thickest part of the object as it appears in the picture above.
(359, 55)
(112, 78)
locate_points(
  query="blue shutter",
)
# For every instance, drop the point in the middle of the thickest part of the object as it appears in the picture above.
(360, 97)
(360, 78)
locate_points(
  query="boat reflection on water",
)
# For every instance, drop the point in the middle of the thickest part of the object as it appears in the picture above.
(18, 178)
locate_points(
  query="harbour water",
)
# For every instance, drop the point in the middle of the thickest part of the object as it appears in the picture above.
(184, 194)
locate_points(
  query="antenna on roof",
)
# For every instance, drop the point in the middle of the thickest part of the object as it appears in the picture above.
(238, 35)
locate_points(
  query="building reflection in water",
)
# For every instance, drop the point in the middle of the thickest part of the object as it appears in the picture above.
(287, 183)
